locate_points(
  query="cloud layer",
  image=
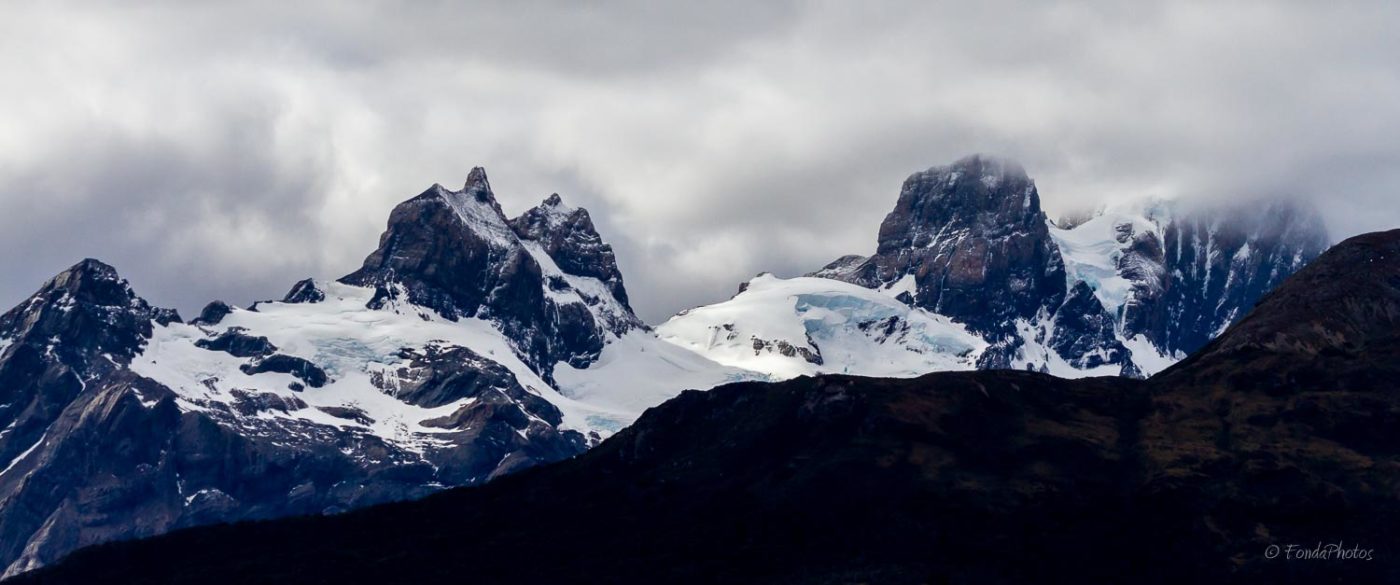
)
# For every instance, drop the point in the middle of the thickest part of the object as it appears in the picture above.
(227, 152)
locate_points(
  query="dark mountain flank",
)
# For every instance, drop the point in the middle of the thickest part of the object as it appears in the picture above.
(1280, 432)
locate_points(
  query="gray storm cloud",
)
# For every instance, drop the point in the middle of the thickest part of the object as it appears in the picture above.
(227, 151)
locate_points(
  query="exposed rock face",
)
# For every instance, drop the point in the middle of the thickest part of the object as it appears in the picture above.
(238, 344)
(1333, 326)
(55, 350)
(301, 368)
(456, 253)
(90, 308)
(1083, 332)
(436, 375)
(93, 451)
(969, 241)
(567, 235)
(1214, 265)
(212, 314)
(784, 348)
(305, 291)
(453, 252)
(1280, 432)
(974, 239)
(1178, 273)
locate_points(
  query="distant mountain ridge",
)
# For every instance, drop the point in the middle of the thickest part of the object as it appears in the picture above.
(1124, 291)
(1279, 433)
(470, 345)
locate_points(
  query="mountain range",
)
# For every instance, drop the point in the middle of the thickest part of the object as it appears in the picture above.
(1279, 433)
(470, 345)
(980, 278)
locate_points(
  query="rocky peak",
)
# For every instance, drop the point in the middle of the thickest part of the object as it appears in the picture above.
(568, 236)
(478, 186)
(447, 250)
(1083, 333)
(546, 219)
(974, 239)
(984, 195)
(456, 253)
(80, 327)
(82, 312)
(92, 282)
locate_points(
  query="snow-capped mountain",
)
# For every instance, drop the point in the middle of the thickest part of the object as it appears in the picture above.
(1123, 291)
(808, 326)
(1175, 274)
(467, 346)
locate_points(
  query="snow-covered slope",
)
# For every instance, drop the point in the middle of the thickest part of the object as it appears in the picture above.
(1127, 290)
(365, 354)
(1092, 251)
(805, 326)
(1174, 275)
(361, 351)
(467, 346)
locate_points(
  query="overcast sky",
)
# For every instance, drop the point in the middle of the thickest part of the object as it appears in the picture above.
(227, 152)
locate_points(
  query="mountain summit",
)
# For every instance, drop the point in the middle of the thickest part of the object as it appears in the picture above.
(1280, 433)
(972, 239)
(1126, 290)
(468, 346)
(546, 277)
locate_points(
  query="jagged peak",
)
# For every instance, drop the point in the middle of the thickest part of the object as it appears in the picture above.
(476, 206)
(478, 185)
(92, 268)
(549, 217)
(94, 281)
(556, 211)
(88, 306)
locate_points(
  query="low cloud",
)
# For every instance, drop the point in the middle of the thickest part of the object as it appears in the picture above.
(226, 152)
